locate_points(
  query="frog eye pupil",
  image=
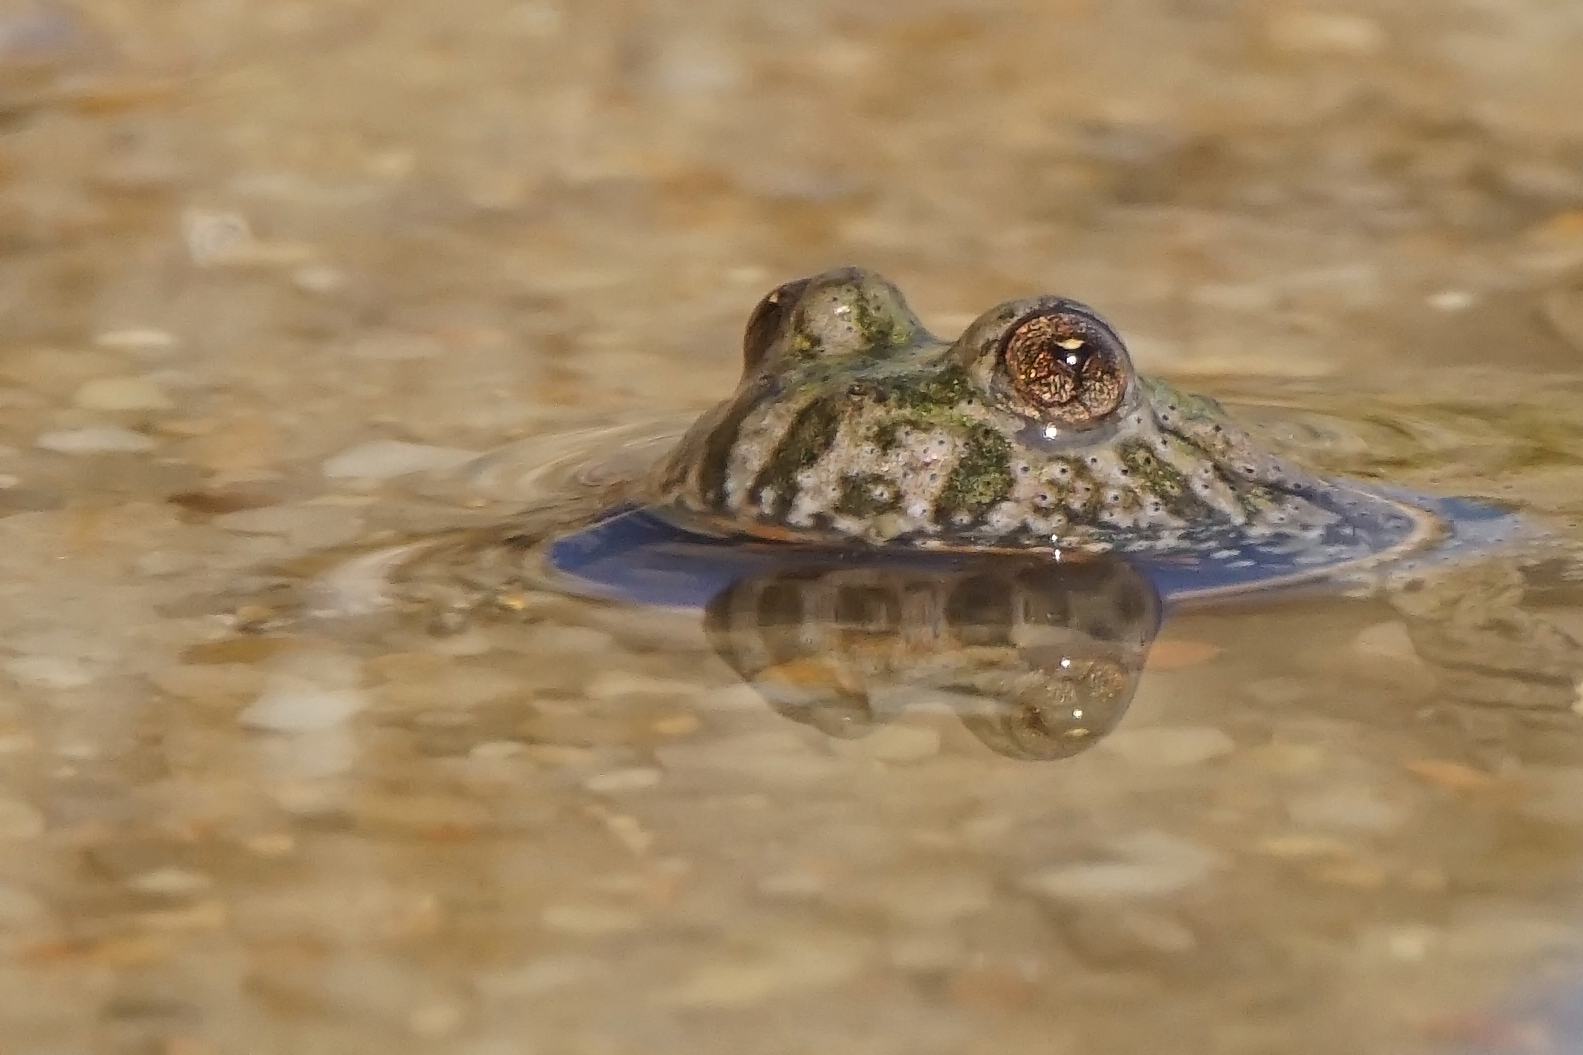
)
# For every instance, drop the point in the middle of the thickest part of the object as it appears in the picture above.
(1066, 366)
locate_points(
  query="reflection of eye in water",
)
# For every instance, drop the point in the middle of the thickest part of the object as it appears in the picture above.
(1039, 660)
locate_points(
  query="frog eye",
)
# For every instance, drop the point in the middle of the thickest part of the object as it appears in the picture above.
(1066, 365)
(767, 322)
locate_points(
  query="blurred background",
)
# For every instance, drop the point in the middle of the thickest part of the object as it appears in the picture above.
(563, 202)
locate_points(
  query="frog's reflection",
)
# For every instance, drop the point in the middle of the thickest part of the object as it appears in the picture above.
(1038, 659)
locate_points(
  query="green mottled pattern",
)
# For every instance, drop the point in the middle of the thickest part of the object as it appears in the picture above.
(868, 494)
(812, 432)
(856, 422)
(979, 481)
(1162, 479)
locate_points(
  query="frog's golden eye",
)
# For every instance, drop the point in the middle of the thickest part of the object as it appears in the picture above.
(1069, 367)
(767, 322)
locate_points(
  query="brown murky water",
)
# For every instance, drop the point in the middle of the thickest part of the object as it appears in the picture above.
(248, 247)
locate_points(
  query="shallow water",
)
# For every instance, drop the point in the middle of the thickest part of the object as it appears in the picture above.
(244, 242)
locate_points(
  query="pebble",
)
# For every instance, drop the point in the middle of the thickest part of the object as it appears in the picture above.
(121, 393)
(988, 830)
(452, 690)
(619, 780)
(216, 237)
(171, 882)
(1306, 848)
(19, 821)
(386, 459)
(50, 672)
(1449, 775)
(630, 833)
(105, 439)
(1324, 33)
(1145, 864)
(497, 750)
(537, 18)
(590, 921)
(614, 684)
(301, 707)
(1169, 746)
(305, 758)
(497, 1046)
(543, 975)
(1402, 942)
(1451, 300)
(778, 757)
(1357, 809)
(934, 897)
(567, 756)
(794, 966)
(673, 725)
(318, 278)
(693, 65)
(270, 844)
(1289, 759)
(137, 340)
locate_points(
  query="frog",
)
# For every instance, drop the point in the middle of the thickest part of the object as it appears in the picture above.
(1032, 429)
(863, 465)
(854, 428)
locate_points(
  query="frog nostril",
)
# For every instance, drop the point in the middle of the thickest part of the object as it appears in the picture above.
(768, 320)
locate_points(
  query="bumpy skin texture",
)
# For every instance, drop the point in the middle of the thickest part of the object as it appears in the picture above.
(853, 422)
